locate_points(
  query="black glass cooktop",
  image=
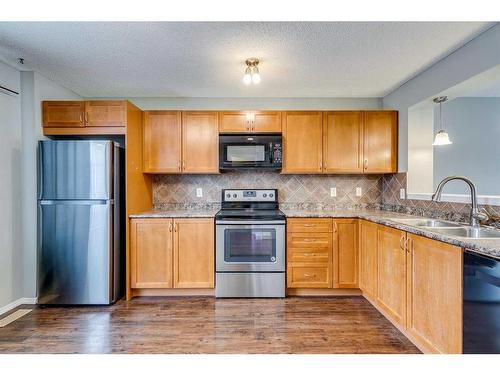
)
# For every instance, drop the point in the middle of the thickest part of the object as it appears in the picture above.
(249, 214)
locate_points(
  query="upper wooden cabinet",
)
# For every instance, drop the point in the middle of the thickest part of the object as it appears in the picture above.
(105, 113)
(250, 121)
(435, 294)
(391, 273)
(162, 148)
(343, 142)
(63, 114)
(380, 140)
(302, 142)
(200, 142)
(84, 117)
(180, 142)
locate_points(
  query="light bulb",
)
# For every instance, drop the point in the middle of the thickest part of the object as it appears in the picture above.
(256, 76)
(442, 139)
(247, 78)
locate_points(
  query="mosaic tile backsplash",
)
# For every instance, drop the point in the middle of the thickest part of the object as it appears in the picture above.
(443, 210)
(294, 191)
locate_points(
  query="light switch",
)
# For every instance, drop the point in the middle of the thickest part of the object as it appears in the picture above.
(358, 192)
(333, 192)
(402, 194)
(199, 192)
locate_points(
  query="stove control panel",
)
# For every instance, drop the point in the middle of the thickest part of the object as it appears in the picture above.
(256, 195)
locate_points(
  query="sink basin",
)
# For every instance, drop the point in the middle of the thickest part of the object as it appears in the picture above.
(429, 223)
(468, 232)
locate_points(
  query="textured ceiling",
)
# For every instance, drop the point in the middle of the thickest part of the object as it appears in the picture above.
(200, 59)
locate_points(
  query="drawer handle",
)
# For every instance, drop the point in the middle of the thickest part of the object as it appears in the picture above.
(309, 225)
(309, 276)
(309, 239)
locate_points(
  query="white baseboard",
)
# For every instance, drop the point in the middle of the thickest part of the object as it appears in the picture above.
(19, 302)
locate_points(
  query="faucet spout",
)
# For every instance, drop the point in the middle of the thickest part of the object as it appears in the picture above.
(475, 215)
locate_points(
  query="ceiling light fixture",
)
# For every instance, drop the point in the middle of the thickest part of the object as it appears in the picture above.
(252, 74)
(442, 138)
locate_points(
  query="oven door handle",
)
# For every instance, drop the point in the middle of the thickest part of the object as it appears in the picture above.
(250, 222)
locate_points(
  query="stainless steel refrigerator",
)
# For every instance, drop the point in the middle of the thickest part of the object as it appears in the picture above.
(80, 224)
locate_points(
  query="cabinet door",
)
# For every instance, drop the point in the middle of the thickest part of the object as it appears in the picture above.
(63, 114)
(343, 142)
(151, 253)
(105, 113)
(391, 273)
(194, 248)
(162, 142)
(302, 138)
(380, 139)
(435, 294)
(345, 253)
(266, 122)
(200, 147)
(368, 258)
(234, 122)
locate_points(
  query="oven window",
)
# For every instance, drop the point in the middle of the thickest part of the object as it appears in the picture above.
(250, 245)
(245, 153)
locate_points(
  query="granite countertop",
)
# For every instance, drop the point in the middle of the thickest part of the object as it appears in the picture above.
(489, 247)
(174, 213)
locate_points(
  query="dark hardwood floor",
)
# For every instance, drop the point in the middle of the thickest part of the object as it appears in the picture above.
(207, 325)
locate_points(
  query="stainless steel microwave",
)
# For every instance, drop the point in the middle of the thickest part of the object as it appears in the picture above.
(250, 151)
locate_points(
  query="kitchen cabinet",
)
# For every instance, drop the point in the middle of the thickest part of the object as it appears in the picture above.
(435, 294)
(180, 142)
(63, 114)
(343, 142)
(151, 252)
(309, 253)
(391, 273)
(91, 117)
(302, 142)
(250, 122)
(345, 253)
(172, 253)
(162, 149)
(194, 253)
(105, 113)
(200, 142)
(368, 258)
(380, 139)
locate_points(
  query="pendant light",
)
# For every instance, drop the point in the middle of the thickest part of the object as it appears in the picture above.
(442, 138)
(252, 74)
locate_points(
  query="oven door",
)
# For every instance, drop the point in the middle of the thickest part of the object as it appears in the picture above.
(250, 247)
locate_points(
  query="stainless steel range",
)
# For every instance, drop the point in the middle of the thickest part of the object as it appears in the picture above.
(250, 245)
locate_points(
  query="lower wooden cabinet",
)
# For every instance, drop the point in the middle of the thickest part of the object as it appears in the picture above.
(322, 253)
(166, 253)
(435, 294)
(416, 282)
(391, 273)
(368, 258)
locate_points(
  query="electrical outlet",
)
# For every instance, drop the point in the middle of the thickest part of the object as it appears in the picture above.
(402, 194)
(199, 192)
(358, 192)
(333, 192)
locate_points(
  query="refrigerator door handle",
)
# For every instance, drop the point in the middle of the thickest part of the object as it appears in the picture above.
(81, 201)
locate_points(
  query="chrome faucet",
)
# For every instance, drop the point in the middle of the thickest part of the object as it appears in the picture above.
(476, 215)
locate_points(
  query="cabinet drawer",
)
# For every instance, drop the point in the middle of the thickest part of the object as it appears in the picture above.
(303, 275)
(309, 240)
(309, 225)
(309, 255)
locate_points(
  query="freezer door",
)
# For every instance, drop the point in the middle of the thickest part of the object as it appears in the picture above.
(75, 170)
(75, 262)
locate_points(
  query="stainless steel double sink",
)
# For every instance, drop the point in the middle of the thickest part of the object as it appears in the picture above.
(450, 228)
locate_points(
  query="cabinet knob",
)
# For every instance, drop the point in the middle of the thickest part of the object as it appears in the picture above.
(365, 164)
